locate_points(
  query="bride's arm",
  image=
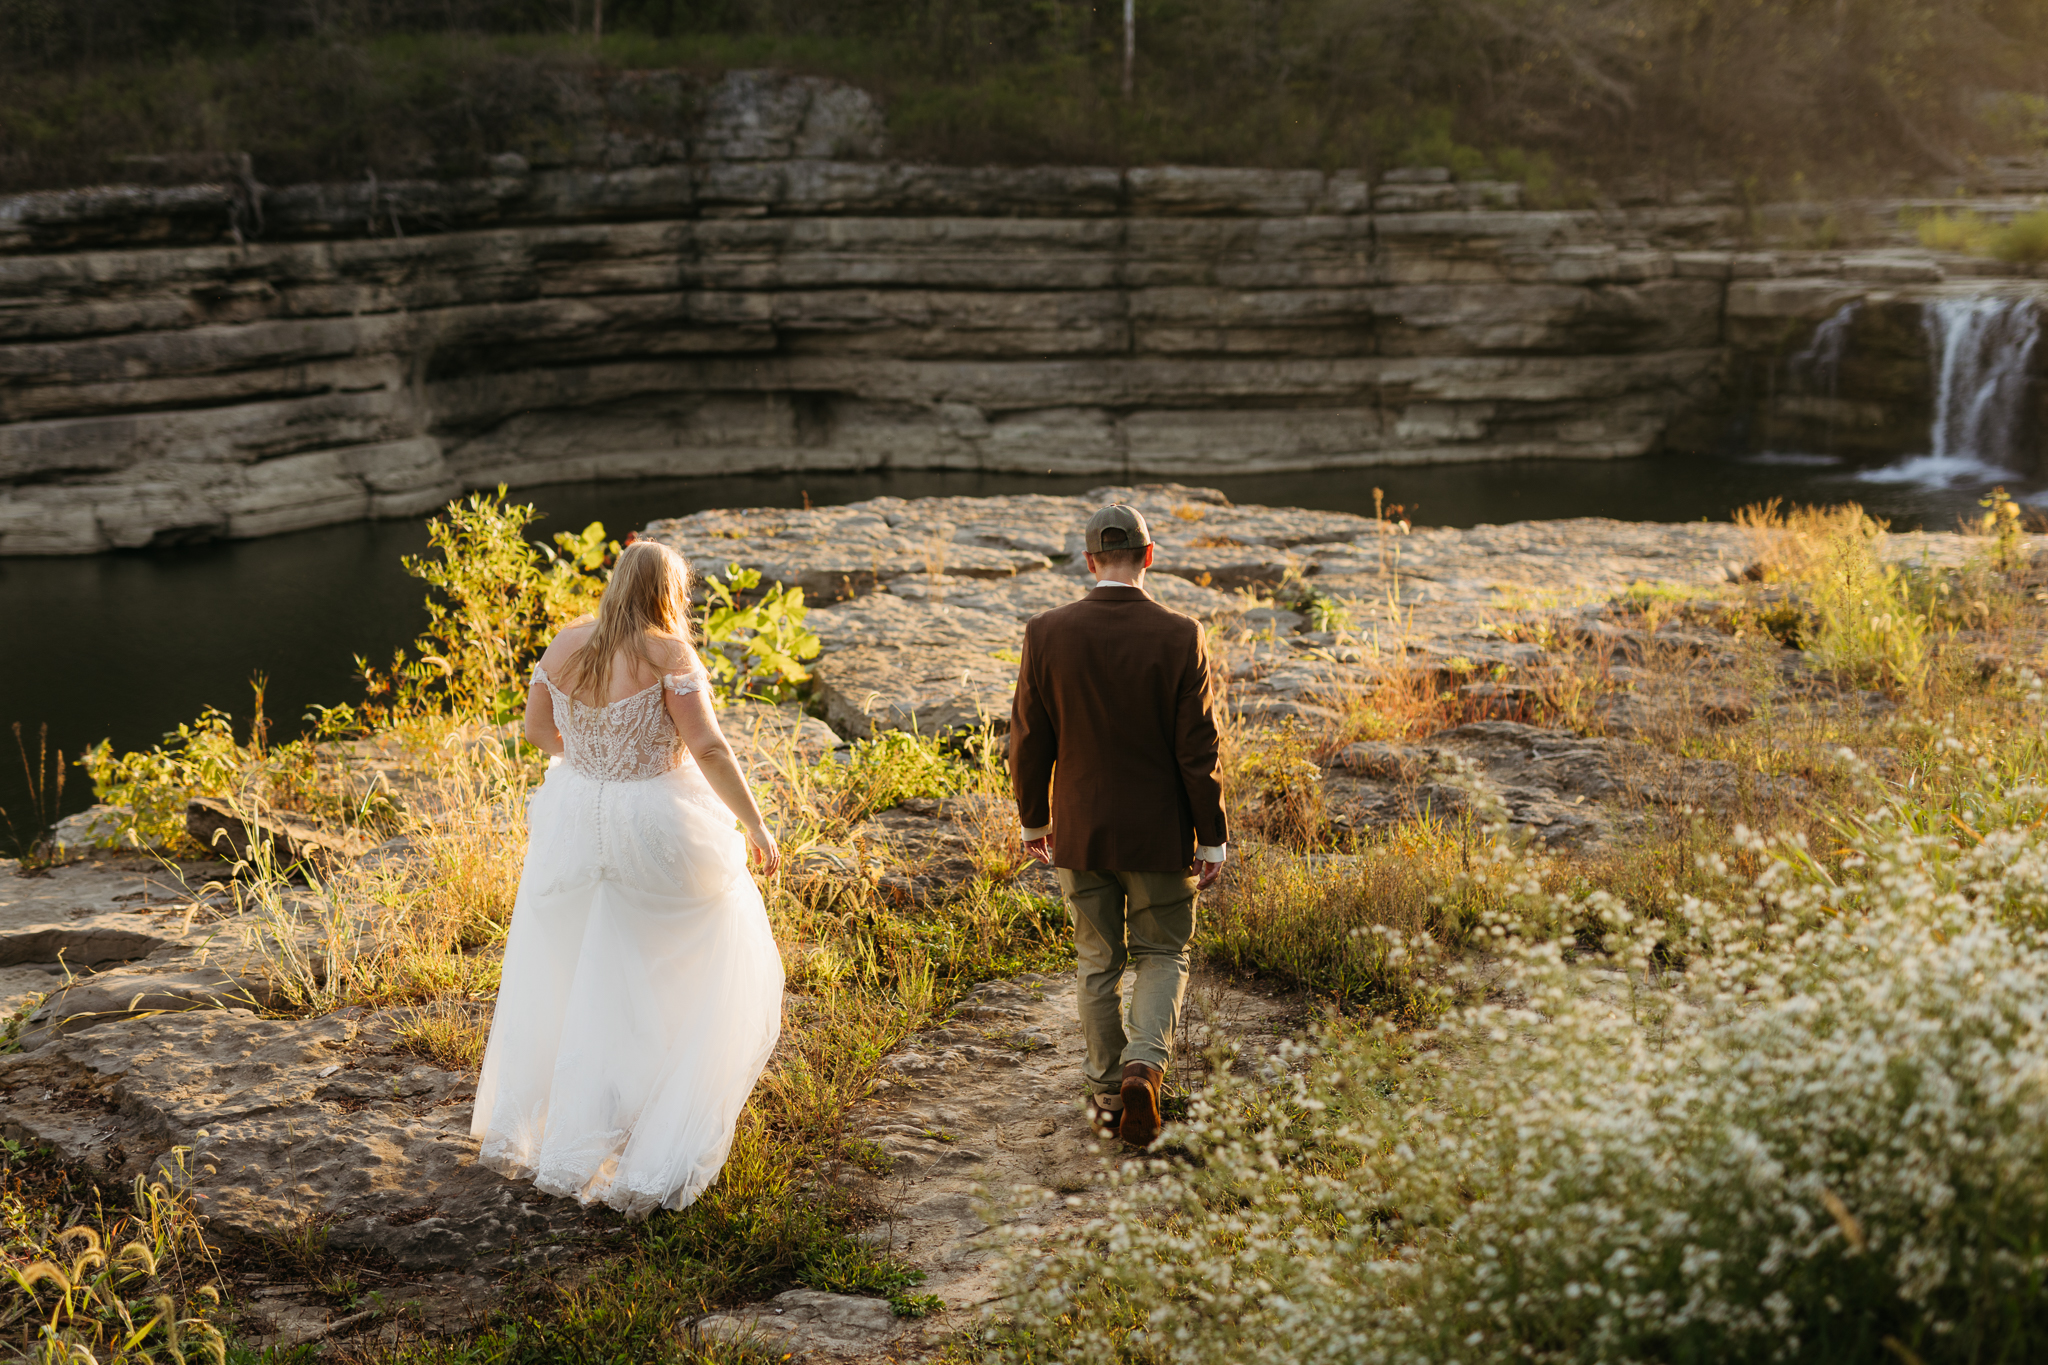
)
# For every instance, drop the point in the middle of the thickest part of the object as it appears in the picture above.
(697, 723)
(541, 730)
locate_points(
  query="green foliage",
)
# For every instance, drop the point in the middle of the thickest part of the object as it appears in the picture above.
(204, 758)
(1965, 231)
(759, 648)
(495, 600)
(888, 769)
(124, 90)
(1867, 624)
(1324, 612)
(1433, 144)
(199, 758)
(2025, 238)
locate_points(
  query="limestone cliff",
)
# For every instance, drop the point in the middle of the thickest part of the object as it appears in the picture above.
(734, 279)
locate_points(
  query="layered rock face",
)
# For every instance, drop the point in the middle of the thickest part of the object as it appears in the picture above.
(737, 282)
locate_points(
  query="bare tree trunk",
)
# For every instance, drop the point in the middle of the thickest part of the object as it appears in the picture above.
(1130, 42)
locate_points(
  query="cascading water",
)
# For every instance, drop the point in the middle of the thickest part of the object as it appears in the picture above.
(1984, 345)
(1983, 353)
(1820, 364)
(1982, 348)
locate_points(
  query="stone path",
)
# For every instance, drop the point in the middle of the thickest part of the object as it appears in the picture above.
(981, 1120)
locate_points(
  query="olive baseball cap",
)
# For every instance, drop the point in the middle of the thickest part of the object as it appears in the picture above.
(1125, 527)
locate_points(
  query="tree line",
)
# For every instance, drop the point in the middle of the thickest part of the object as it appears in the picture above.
(1833, 91)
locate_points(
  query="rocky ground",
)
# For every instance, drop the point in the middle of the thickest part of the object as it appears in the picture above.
(151, 1042)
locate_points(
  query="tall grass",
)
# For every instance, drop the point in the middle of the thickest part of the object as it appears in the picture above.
(1371, 929)
(1866, 621)
(117, 1286)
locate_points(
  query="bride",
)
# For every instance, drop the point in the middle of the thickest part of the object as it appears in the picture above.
(642, 990)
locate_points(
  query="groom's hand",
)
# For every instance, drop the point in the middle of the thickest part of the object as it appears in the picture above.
(1207, 873)
(1040, 849)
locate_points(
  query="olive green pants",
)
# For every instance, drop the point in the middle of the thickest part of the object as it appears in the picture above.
(1129, 918)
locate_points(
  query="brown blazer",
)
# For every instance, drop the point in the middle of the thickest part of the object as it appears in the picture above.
(1114, 692)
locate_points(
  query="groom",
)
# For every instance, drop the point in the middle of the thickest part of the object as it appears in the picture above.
(1116, 715)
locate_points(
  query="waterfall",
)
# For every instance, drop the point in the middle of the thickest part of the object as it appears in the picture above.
(1982, 347)
(1820, 364)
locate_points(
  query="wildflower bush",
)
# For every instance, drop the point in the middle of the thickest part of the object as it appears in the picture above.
(1799, 1118)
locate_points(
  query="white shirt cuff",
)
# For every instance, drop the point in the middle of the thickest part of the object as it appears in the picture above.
(1038, 833)
(1211, 853)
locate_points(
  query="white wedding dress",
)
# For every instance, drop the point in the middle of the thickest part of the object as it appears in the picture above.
(642, 989)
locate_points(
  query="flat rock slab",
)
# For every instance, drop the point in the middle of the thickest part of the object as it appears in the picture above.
(68, 922)
(289, 1124)
(805, 1324)
(924, 628)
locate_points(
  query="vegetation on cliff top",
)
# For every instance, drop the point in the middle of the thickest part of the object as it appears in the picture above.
(1855, 93)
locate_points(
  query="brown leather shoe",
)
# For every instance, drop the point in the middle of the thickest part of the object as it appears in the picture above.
(1140, 1124)
(1105, 1112)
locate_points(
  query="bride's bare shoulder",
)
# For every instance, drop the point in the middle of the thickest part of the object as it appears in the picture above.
(673, 653)
(569, 639)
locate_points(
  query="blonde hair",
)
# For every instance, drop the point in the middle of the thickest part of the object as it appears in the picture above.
(648, 595)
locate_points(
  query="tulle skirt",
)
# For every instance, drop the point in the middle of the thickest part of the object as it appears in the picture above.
(642, 995)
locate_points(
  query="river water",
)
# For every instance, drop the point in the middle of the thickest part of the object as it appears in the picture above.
(124, 646)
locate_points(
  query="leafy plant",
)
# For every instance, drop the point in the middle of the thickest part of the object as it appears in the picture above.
(1865, 620)
(202, 758)
(757, 648)
(1283, 783)
(495, 599)
(886, 770)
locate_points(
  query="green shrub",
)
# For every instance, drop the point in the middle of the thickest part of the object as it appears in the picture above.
(757, 649)
(886, 770)
(2024, 239)
(1964, 231)
(495, 599)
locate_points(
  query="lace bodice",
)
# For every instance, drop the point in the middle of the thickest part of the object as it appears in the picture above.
(626, 740)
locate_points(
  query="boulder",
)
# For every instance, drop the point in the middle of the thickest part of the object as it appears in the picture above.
(95, 827)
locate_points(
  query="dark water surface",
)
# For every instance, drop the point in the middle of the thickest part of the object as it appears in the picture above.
(124, 646)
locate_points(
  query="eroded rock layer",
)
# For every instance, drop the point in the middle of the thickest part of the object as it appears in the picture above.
(747, 287)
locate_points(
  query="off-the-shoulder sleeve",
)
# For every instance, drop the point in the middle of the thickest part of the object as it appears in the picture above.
(682, 684)
(536, 678)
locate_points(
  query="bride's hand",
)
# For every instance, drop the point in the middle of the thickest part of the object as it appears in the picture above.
(762, 852)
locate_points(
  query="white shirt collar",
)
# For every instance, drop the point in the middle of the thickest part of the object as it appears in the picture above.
(1111, 583)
